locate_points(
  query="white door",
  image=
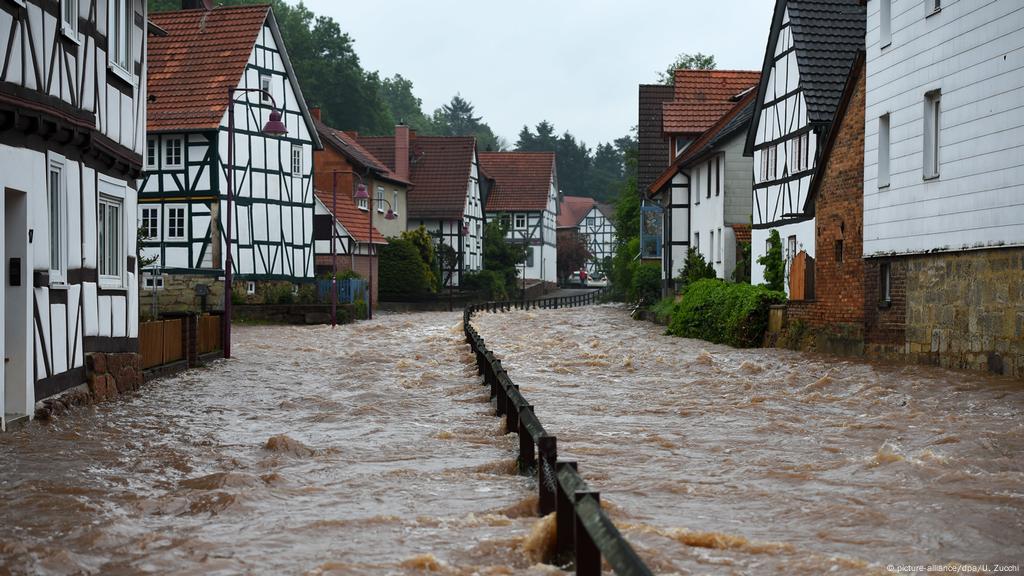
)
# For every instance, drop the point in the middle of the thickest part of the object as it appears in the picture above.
(16, 382)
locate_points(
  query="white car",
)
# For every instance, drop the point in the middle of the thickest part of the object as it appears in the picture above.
(597, 281)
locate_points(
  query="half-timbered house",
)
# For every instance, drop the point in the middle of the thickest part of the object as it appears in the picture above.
(524, 195)
(445, 197)
(594, 222)
(183, 201)
(706, 193)
(811, 46)
(72, 104)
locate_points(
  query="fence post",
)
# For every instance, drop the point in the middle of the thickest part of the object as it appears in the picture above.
(565, 512)
(511, 412)
(588, 557)
(547, 481)
(501, 404)
(526, 458)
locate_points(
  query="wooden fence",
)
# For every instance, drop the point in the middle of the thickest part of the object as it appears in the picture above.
(209, 334)
(585, 533)
(161, 342)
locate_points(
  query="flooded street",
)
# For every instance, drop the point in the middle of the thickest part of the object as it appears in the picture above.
(369, 449)
(721, 461)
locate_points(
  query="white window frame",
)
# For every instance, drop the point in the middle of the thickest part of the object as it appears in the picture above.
(57, 215)
(696, 241)
(520, 221)
(120, 21)
(152, 153)
(932, 7)
(394, 202)
(773, 169)
(378, 199)
(168, 141)
(884, 154)
(721, 242)
(363, 203)
(250, 288)
(266, 81)
(69, 27)
(932, 134)
(155, 220)
(153, 283)
(885, 23)
(297, 160)
(111, 194)
(169, 229)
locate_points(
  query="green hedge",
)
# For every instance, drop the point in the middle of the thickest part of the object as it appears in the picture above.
(645, 283)
(402, 270)
(725, 313)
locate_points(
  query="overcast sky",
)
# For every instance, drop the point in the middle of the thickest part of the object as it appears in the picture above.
(575, 63)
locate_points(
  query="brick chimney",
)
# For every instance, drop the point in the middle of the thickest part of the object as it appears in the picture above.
(402, 151)
(315, 112)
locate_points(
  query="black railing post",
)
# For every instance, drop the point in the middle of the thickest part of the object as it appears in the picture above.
(565, 513)
(547, 480)
(588, 557)
(527, 462)
(511, 412)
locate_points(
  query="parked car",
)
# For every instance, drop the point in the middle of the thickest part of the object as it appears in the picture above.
(597, 280)
(575, 280)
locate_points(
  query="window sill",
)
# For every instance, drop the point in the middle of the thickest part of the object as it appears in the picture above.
(70, 35)
(885, 305)
(930, 177)
(112, 286)
(933, 12)
(886, 45)
(883, 186)
(174, 166)
(59, 285)
(121, 73)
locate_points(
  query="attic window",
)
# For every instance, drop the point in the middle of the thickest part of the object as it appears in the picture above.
(265, 86)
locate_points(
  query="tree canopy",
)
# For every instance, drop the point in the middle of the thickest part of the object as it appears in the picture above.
(684, 61)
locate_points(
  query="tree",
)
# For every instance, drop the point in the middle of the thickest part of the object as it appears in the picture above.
(456, 119)
(403, 106)
(774, 267)
(695, 268)
(402, 271)
(572, 252)
(501, 256)
(424, 243)
(686, 61)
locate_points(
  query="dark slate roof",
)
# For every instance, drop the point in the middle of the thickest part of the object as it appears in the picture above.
(827, 35)
(653, 147)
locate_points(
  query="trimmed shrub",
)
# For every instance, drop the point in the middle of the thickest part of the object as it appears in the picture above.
(724, 313)
(489, 282)
(402, 270)
(694, 268)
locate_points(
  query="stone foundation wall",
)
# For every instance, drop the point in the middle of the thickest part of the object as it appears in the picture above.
(179, 295)
(108, 376)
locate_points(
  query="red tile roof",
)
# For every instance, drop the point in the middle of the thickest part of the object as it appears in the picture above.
(356, 221)
(522, 180)
(573, 209)
(702, 96)
(439, 169)
(347, 145)
(191, 68)
(742, 232)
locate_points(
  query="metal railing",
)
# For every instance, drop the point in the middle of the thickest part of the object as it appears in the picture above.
(585, 533)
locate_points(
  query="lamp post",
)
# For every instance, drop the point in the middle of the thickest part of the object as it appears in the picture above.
(273, 127)
(363, 194)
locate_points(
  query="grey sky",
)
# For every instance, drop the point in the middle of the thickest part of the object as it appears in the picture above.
(576, 63)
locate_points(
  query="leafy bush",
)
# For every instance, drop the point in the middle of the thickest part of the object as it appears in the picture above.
(645, 283)
(424, 243)
(623, 266)
(402, 270)
(774, 267)
(725, 313)
(491, 283)
(694, 268)
(308, 294)
(664, 309)
(277, 293)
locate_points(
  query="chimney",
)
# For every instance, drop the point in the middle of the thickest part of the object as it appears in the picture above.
(315, 112)
(191, 4)
(402, 151)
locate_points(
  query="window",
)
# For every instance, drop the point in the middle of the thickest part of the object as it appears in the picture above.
(505, 221)
(151, 223)
(110, 243)
(764, 165)
(932, 125)
(680, 145)
(153, 283)
(265, 86)
(175, 223)
(363, 203)
(529, 257)
(801, 152)
(711, 247)
(520, 221)
(718, 175)
(394, 202)
(152, 152)
(720, 245)
(379, 199)
(250, 288)
(591, 221)
(884, 284)
(883, 151)
(932, 6)
(297, 160)
(885, 22)
(119, 34)
(708, 185)
(839, 251)
(69, 18)
(772, 159)
(696, 187)
(173, 152)
(791, 248)
(58, 221)
(696, 241)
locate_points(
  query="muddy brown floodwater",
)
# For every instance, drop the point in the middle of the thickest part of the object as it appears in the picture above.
(723, 461)
(369, 449)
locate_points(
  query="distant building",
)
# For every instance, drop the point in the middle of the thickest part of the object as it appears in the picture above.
(811, 46)
(445, 196)
(72, 132)
(944, 182)
(524, 194)
(183, 202)
(595, 223)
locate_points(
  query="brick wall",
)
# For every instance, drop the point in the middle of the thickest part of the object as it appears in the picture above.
(839, 266)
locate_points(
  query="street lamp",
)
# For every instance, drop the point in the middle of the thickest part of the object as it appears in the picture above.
(363, 194)
(273, 127)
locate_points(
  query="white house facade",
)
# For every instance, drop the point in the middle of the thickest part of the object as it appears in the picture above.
(72, 104)
(811, 46)
(183, 201)
(599, 230)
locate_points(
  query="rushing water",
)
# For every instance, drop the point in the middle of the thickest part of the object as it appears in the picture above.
(724, 461)
(368, 449)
